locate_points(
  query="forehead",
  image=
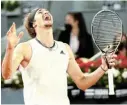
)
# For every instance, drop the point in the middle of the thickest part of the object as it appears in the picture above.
(42, 9)
(69, 16)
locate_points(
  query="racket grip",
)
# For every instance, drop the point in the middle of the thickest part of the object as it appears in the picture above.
(111, 82)
(109, 67)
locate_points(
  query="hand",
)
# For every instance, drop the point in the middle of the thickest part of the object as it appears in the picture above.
(12, 38)
(111, 60)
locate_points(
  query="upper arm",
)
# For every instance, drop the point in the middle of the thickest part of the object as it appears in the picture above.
(18, 56)
(73, 69)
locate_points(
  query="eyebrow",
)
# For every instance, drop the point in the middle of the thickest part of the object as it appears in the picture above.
(42, 10)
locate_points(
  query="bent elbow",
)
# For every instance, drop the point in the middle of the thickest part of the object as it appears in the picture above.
(6, 75)
(82, 87)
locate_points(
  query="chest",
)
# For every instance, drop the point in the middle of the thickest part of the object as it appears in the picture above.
(47, 64)
(50, 61)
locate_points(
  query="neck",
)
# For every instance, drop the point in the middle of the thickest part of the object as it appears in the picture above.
(45, 36)
(75, 30)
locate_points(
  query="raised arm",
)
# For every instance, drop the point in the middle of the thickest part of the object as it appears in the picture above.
(85, 81)
(13, 56)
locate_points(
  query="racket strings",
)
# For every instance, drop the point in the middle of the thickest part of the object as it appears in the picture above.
(107, 45)
(109, 22)
(104, 45)
(102, 39)
(107, 42)
(107, 30)
(106, 38)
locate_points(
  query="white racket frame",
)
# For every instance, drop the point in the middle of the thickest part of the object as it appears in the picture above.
(110, 72)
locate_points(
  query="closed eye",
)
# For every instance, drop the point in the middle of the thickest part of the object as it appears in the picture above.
(40, 12)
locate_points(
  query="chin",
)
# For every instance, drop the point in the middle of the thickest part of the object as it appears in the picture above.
(48, 24)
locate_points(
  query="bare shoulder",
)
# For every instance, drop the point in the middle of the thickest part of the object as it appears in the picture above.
(68, 47)
(22, 47)
(69, 51)
(71, 55)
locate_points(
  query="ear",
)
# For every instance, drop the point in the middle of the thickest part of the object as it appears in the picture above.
(34, 24)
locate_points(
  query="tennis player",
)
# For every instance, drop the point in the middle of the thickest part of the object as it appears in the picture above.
(44, 62)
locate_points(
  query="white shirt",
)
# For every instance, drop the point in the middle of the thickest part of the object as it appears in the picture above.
(45, 78)
(74, 43)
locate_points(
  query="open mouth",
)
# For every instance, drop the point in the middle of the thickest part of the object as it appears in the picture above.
(47, 17)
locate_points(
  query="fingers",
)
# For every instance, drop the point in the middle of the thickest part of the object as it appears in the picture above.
(8, 33)
(12, 29)
(112, 64)
(111, 59)
(111, 56)
(20, 35)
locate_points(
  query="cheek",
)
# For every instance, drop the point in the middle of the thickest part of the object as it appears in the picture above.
(72, 22)
(68, 21)
(51, 19)
(40, 22)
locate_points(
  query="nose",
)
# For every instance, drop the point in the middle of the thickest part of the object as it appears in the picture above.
(46, 12)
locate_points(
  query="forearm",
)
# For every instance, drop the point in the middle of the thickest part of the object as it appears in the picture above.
(85, 81)
(91, 79)
(7, 63)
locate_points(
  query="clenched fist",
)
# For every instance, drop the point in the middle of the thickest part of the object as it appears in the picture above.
(108, 60)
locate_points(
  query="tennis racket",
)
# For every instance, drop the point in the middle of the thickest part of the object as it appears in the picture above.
(106, 29)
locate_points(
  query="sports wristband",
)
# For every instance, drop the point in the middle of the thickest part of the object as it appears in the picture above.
(103, 69)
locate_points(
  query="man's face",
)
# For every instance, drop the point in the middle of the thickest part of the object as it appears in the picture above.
(43, 18)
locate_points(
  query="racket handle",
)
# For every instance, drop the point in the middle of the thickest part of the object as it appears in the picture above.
(109, 67)
(111, 82)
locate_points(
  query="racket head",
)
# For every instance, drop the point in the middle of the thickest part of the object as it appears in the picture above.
(106, 30)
